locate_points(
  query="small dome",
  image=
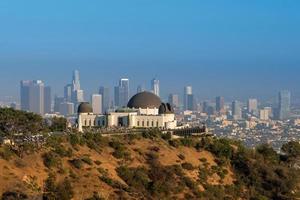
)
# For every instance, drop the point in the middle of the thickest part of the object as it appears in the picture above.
(144, 100)
(85, 107)
(165, 108)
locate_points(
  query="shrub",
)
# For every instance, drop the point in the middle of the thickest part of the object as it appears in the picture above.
(181, 157)
(51, 159)
(98, 162)
(174, 143)
(14, 196)
(6, 153)
(87, 160)
(77, 163)
(187, 166)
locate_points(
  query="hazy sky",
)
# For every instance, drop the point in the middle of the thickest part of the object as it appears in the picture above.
(228, 47)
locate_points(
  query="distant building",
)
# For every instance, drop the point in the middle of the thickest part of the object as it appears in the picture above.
(174, 100)
(57, 102)
(122, 93)
(155, 87)
(48, 100)
(105, 93)
(77, 92)
(68, 92)
(33, 96)
(264, 114)
(284, 105)
(66, 108)
(252, 106)
(220, 104)
(236, 110)
(96, 100)
(188, 98)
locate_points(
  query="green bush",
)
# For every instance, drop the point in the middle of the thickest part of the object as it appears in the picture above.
(87, 160)
(51, 159)
(77, 163)
(187, 166)
(6, 153)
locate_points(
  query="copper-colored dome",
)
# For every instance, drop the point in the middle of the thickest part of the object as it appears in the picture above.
(144, 100)
(85, 107)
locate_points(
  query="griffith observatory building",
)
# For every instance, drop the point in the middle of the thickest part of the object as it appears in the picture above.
(144, 110)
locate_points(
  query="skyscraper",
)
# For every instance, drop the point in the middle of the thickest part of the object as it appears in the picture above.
(155, 86)
(188, 98)
(68, 92)
(284, 105)
(252, 106)
(220, 103)
(174, 100)
(140, 89)
(76, 80)
(236, 110)
(105, 93)
(77, 93)
(122, 93)
(66, 108)
(57, 102)
(33, 96)
(48, 100)
(96, 100)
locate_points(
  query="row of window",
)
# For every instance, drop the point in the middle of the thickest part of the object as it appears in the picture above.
(93, 123)
(142, 124)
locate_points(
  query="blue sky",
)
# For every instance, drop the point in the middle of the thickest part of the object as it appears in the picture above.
(227, 47)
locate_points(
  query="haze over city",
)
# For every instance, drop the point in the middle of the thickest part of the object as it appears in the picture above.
(235, 49)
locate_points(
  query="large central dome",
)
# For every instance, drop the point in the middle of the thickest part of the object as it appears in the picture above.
(144, 100)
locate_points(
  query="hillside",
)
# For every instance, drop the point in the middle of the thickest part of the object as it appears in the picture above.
(146, 166)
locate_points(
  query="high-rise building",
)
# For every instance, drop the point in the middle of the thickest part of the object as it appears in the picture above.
(33, 96)
(105, 93)
(284, 105)
(174, 100)
(122, 93)
(96, 100)
(76, 80)
(220, 104)
(57, 102)
(68, 92)
(66, 108)
(188, 98)
(48, 100)
(24, 94)
(236, 110)
(155, 86)
(252, 106)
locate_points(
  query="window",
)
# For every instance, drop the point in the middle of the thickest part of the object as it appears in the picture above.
(147, 123)
(85, 124)
(157, 124)
(138, 123)
(143, 123)
(152, 124)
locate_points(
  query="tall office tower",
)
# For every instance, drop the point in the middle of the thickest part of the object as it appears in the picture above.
(48, 100)
(122, 93)
(140, 89)
(57, 102)
(24, 94)
(68, 92)
(32, 96)
(76, 80)
(155, 86)
(66, 108)
(188, 98)
(236, 110)
(174, 100)
(284, 105)
(105, 93)
(252, 106)
(96, 100)
(220, 104)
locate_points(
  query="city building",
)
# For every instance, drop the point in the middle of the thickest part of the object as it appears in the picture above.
(144, 110)
(48, 100)
(236, 110)
(68, 92)
(174, 100)
(105, 93)
(188, 98)
(252, 106)
(77, 95)
(57, 101)
(66, 108)
(96, 100)
(220, 104)
(140, 89)
(155, 86)
(264, 114)
(32, 95)
(122, 93)
(284, 105)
